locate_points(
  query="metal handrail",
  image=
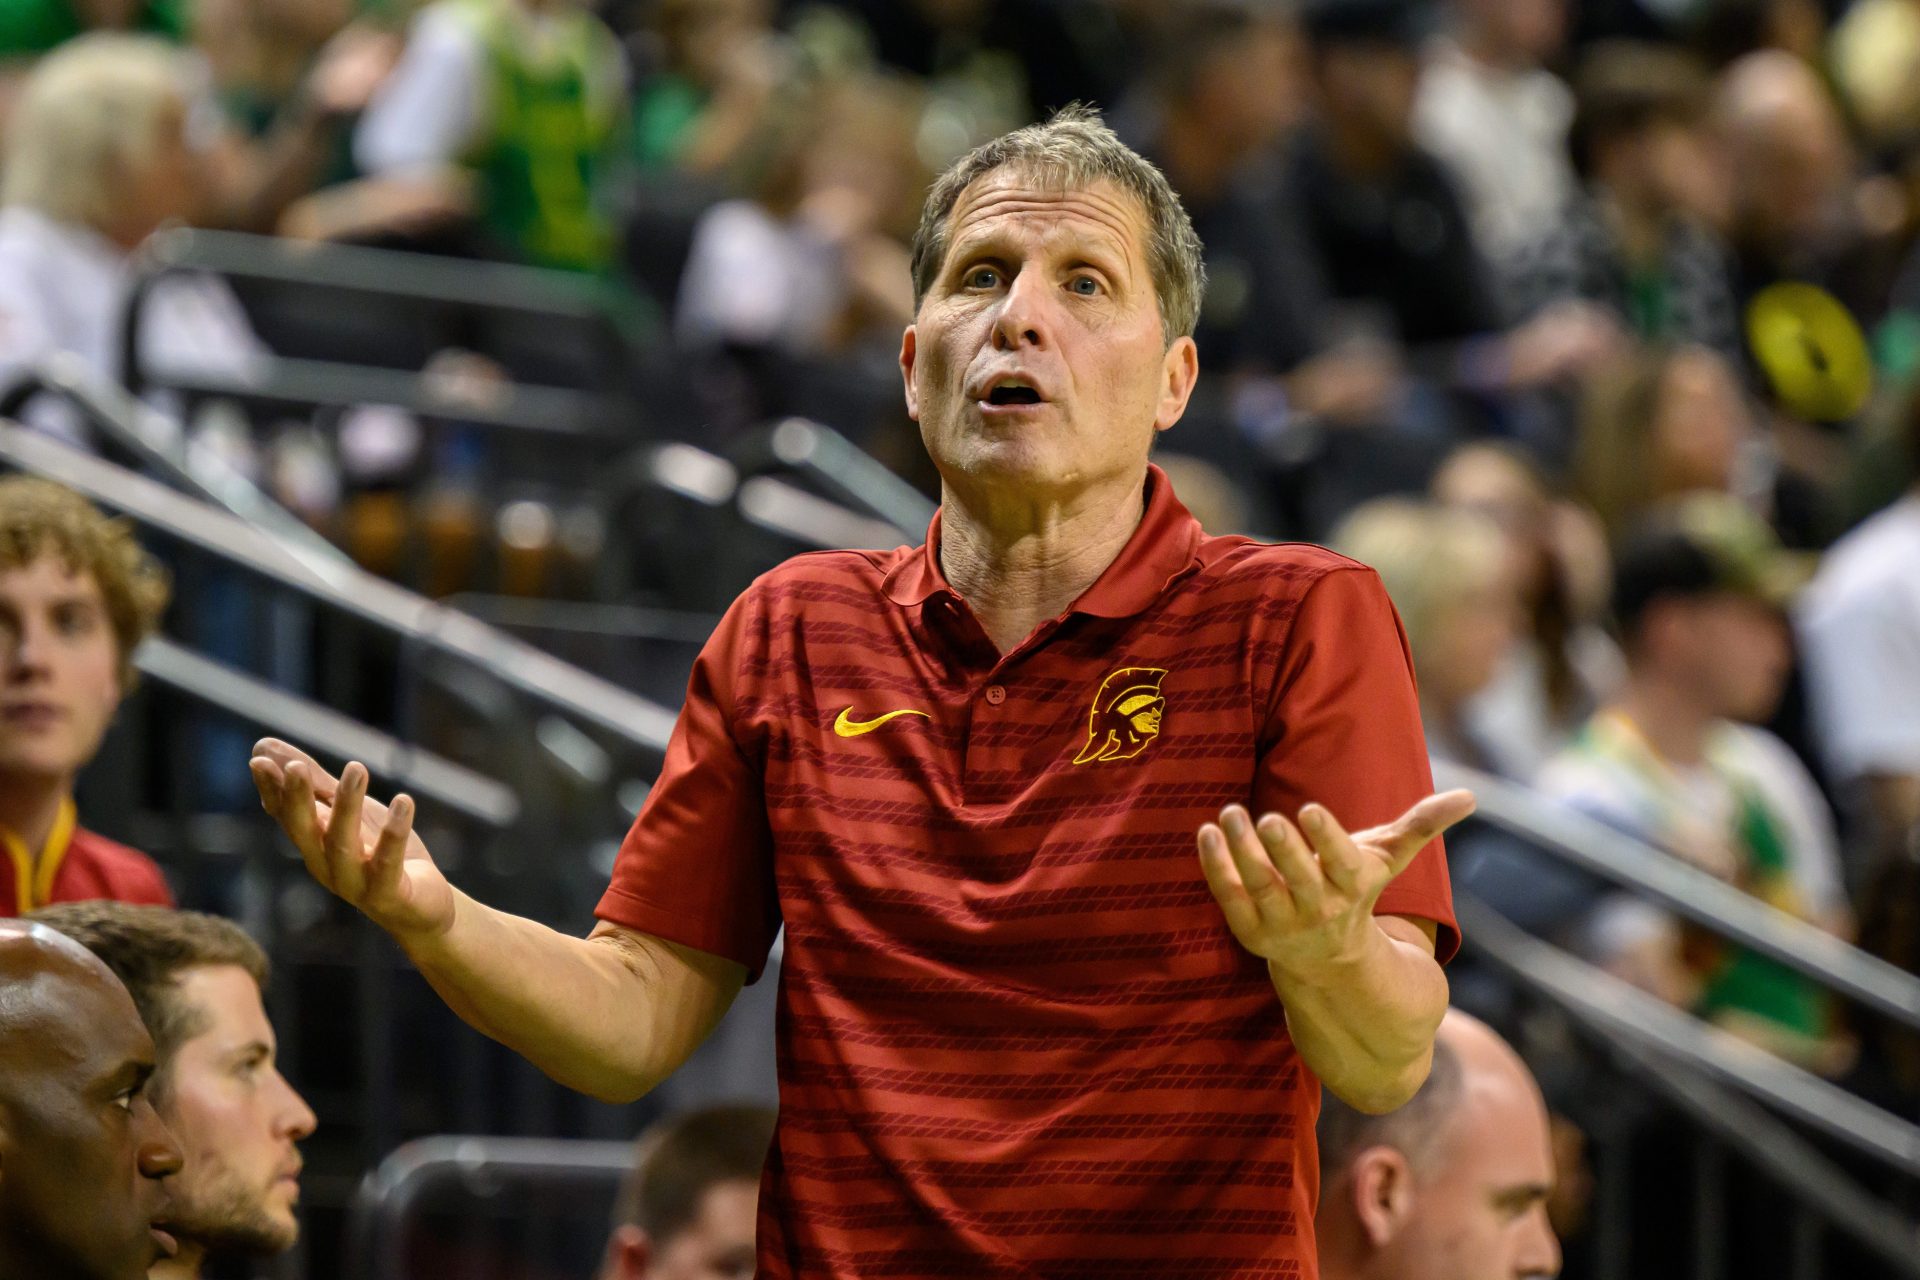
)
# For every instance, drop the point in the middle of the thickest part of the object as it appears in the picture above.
(275, 380)
(388, 1193)
(849, 474)
(252, 700)
(433, 627)
(1608, 1005)
(156, 443)
(1594, 847)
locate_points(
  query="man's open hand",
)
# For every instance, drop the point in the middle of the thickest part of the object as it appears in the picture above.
(362, 850)
(1305, 902)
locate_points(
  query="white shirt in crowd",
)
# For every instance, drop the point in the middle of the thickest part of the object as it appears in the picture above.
(1859, 625)
(64, 288)
(1502, 134)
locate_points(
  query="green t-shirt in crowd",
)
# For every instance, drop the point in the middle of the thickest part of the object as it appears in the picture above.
(29, 27)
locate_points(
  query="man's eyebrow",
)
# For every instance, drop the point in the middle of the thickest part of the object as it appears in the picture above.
(1522, 1195)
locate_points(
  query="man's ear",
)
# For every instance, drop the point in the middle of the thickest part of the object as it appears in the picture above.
(629, 1253)
(909, 351)
(1179, 371)
(1383, 1194)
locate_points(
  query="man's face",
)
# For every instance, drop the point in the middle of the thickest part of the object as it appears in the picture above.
(718, 1244)
(1738, 653)
(237, 1119)
(59, 669)
(1370, 88)
(1483, 1216)
(1037, 362)
(82, 1153)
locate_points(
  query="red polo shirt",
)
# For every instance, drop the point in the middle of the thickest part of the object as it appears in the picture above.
(75, 866)
(1015, 1034)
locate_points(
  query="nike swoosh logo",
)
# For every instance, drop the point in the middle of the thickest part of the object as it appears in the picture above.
(847, 727)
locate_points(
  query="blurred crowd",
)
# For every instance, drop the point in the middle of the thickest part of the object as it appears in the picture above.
(1593, 326)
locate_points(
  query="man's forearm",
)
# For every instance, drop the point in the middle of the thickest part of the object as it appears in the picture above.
(610, 1016)
(1365, 1027)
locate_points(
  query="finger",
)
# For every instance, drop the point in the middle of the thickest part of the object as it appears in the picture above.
(285, 753)
(268, 781)
(297, 817)
(390, 850)
(1268, 891)
(344, 858)
(1217, 865)
(1343, 861)
(1291, 856)
(1415, 829)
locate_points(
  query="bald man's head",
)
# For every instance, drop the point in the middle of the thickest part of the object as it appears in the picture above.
(1788, 145)
(1451, 1186)
(82, 1154)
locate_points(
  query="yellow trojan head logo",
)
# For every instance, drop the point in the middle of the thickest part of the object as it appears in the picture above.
(1126, 715)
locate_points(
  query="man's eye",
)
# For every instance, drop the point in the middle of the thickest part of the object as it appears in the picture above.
(1085, 286)
(982, 278)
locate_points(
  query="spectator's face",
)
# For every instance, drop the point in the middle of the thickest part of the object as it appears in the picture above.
(1737, 655)
(718, 1244)
(1524, 30)
(82, 1153)
(107, 15)
(236, 1118)
(1701, 421)
(1483, 1215)
(59, 669)
(1370, 89)
(1688, 171)
(1252, 93)
(1050, 289)
(1472, 637)
(170, 186)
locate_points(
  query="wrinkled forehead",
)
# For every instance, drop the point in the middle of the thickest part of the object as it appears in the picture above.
(1016, 204)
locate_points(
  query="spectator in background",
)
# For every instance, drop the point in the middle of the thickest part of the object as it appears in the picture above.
(77, 595)
(32, 27)
(1493, 113)
(816, 263)
(1388, 230)
(687, 1211)
(1859, 626)
(1564, 666)
(1450, 574)
(99, 157)
(1675, 761)
(1453, 1184)
(1641, 242)
(83, 1152)
(710, 69)
(1673, 420)
(1796, 213)
(197, 982)
(509, 109)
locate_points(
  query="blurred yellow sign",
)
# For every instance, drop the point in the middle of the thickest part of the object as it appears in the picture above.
(1812, 350)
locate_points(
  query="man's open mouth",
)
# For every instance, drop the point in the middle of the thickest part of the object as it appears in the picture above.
(1012, 392)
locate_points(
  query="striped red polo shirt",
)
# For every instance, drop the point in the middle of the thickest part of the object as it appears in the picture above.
(1016, 1037)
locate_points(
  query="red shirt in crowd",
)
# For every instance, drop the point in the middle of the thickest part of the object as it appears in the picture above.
(1015, 1034)
(76, 866)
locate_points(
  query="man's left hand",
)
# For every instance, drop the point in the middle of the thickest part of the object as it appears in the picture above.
(1304, 902)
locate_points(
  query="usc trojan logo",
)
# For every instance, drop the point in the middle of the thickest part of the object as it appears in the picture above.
(1126, 715)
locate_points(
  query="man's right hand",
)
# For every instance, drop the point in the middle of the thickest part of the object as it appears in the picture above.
(364, 851)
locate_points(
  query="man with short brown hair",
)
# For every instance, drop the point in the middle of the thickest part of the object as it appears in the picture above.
(687, 1210)
(196, 980)
(77, 595)
(82, 1154)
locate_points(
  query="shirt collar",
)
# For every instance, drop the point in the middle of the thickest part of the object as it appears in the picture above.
(1164, 547)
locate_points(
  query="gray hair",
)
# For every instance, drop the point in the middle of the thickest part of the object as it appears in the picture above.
(1074, 150)
(93, 112)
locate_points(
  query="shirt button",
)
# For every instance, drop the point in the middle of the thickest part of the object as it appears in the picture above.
(996, 695)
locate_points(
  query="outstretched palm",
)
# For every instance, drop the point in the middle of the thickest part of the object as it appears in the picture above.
(361, 849)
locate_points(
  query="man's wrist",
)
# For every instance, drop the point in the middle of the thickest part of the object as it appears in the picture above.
(1337, 970)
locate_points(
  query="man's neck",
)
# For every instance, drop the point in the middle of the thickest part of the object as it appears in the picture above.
(184, 1265)
(1018, 561)
(1674, 724)
(30, 805)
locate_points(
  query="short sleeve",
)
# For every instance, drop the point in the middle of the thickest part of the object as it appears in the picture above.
(697, 866)
(1863, 666)
(1343, 730)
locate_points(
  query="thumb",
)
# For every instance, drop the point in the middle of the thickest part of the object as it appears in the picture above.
(1403, 838)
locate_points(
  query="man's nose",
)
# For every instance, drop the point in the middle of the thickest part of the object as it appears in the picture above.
(297, 1120)
(1539, 1253)
(1024, 314)
(157, 1154)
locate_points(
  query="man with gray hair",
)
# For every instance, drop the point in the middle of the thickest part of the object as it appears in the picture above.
(1022, 1032)
(1453, 1185)
(101, 154)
